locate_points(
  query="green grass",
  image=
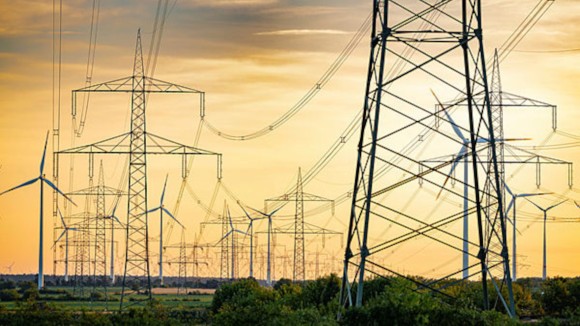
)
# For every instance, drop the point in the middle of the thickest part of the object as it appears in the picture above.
(167, 300)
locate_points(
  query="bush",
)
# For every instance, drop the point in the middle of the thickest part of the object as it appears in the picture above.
(9, 295)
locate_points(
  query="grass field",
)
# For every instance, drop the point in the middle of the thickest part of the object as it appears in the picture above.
(66, 298)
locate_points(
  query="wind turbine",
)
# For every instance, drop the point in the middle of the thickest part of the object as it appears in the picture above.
(251, 230)
(232, 232)
(42, 180)
(113, 218)
(545, 210)
(161, 208)
(9, 268)
(269, 217)
(513, 221)
(65, 234)
(462, 154)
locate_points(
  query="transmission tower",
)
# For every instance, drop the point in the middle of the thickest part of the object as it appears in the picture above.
(416, 49)
(299, 197)
(138, 144)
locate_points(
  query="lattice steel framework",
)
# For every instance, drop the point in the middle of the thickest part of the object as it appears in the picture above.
(138, 144)
(420, 48)
(299, 197)
(100, 245)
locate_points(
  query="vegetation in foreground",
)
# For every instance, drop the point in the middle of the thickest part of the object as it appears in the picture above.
(393, 301)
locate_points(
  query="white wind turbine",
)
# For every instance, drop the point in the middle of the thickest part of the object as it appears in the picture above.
(161, 208)
(43, 180)
(232, 233)
(65, 234)
(545, 210)
(463, 154)
(251, 234)
(513, 220)
(269, 265)
(113, 218)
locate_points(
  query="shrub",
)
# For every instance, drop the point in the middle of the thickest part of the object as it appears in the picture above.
(9, 295)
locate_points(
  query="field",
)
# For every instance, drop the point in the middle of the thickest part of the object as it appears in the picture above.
(65, 298)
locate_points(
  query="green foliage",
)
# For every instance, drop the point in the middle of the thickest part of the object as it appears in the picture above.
(321, 291)
(9, 295)
(7, 284)
(31, 294)
(561, 297)
(399, 304)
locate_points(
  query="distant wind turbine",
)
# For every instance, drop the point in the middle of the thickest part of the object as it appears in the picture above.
(269, 217)
(251, 233)
(232, 232)
(43, 180)
(513, 220)
(161, 208)
(545, 210)
(65, 234)
(9, 268)
(113, 218)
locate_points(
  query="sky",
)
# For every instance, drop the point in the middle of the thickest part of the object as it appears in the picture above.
(254, 59)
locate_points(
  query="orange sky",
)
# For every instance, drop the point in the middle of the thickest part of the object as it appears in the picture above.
(255, 59)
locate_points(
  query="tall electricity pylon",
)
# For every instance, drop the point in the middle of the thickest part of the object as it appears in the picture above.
(299, 197)
(418, 49)
(138, 144)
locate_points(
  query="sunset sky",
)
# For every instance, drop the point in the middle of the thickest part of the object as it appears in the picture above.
(255, 59)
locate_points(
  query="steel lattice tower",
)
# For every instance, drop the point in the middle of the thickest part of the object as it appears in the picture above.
(417, 49)
(299, 270)
(299, 197)
(224, 262)
(100, 245)
(138, 143)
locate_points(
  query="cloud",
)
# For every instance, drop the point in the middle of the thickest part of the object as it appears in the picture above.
(232, 3)
(303, 32)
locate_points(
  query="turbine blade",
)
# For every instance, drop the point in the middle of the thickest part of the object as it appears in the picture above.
(230, 219)
(462, 152)
(507, 210)
(60, 237)
(241, 232)
(163, 192)
(115, 207)
(508, 189)
(225, 236)
(451, 121)
(540, 208)
(536, 194)
(44, 153)
(116, 219)
(29, 182)
(245, 212)
(152, 210)
(277, 209)
(61, 218)
(558, 204)
(259, 212)
(57, 190)
(173, 217)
